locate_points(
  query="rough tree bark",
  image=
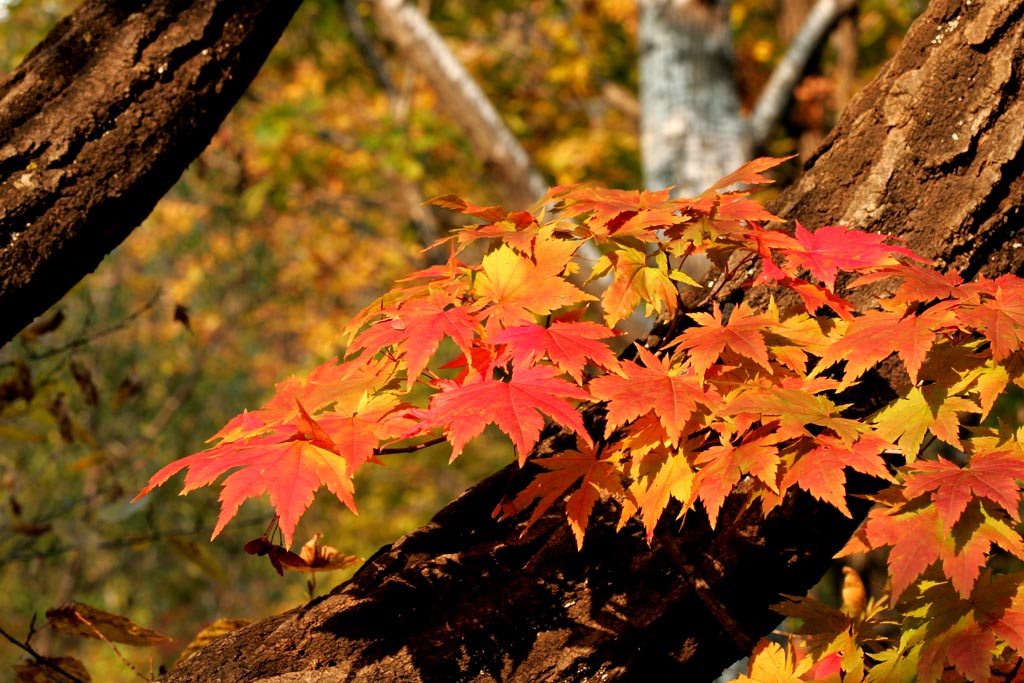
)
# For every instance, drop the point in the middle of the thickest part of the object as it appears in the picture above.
(101, 119)
(932, 150)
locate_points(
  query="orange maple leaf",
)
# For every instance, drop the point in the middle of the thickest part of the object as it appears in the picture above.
(992, 475)
(743, 334)
(290, 466)
(672, 394)
(417, 327)
(513, 289)
(821, 471)
(597, 476)
(876, 335)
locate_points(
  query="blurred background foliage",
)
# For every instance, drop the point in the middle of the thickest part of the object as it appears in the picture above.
(306, 206)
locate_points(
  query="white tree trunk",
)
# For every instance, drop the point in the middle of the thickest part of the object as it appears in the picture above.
(691, 129)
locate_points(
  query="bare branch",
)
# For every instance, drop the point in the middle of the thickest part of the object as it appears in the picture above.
(463, 98)
(777, 92)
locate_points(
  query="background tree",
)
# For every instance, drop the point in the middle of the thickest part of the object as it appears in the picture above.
(224, 325)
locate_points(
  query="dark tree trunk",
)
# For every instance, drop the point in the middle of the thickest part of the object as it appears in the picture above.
(101, 119)
(932, 151)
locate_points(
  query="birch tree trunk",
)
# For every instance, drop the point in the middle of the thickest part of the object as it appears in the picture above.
(691, 129)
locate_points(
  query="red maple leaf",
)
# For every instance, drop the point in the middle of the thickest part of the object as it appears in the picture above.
(671, 394)
(832, 248)
(416, 328)
(569, 345)
(517, 406)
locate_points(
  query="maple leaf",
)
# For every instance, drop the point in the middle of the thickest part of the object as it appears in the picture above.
(990, 382)
(999, 316)
(663, 475)
(919, 538)
(634, 281)
(596, 476)
(748, 174)
(971, 541)
(671, 394)
(832, 248)
(965, 645)
(417, 327)
(621, 212)
(919, 284)
(795, 408)
(517, 406)
(770, 663)
(723, 466)
(458, 204)
(512, 289)
(815, 297)
(743, 334)
(290, 463)
(992, 475)
(876, 335)
(821, 471)
(928, 408)
(914, 537)
(1007, 620)
(518, 230)
(345, 385)
(569, 345)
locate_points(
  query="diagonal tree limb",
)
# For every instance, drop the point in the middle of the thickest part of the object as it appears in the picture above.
(465, 101)
(101, 119)
(933, 150)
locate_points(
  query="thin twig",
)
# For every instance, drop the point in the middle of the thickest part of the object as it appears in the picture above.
(41, 659)
(412, 448)
(113, 647)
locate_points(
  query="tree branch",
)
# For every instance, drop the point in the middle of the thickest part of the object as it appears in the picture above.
(774, 99)
(101, 119)
(462, 98)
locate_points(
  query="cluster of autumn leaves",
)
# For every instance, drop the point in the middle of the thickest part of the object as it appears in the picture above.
(739, 393)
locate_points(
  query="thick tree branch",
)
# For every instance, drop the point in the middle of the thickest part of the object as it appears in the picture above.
(933, 149)
(101, 119)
